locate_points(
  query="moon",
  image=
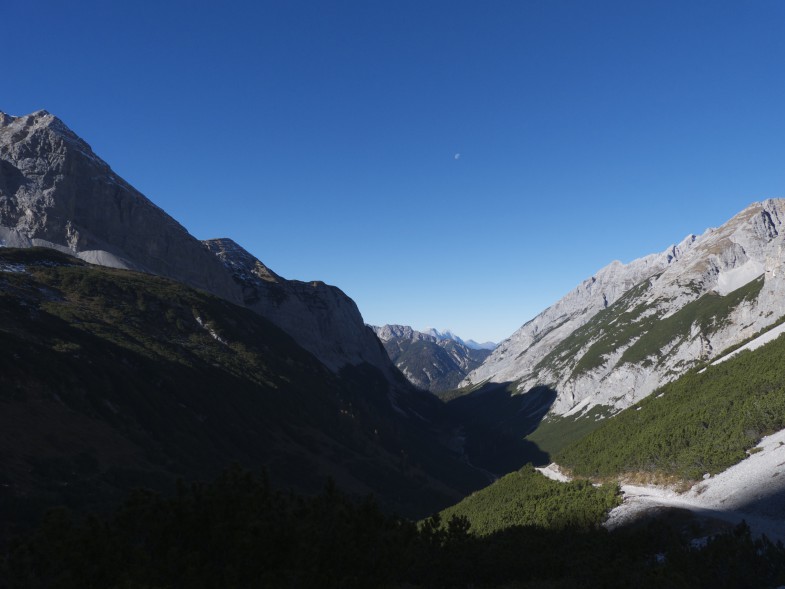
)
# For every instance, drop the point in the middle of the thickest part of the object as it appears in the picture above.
(457, 156)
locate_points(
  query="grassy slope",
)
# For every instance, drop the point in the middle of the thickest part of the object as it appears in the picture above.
(697, 424)
(607, 329)
(616, 326)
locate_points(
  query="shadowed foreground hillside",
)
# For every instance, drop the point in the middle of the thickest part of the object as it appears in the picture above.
(111, 379)
(238, 532)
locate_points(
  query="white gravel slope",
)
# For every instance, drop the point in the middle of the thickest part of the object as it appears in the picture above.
(753, 490)
(553, 472)
(759, 341)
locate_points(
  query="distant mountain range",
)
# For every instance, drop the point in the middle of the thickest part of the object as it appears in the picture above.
(449, 335)
(434, 361)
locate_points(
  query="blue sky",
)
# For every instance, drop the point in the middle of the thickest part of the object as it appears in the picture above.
(322, 135)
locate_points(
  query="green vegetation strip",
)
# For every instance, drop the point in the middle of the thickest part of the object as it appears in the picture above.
(710, 312)
(701, 423)
(238, 532)
(527, 498)
(609, 328)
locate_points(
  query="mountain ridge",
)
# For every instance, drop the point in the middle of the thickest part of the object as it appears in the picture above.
(320, 317)
(56, 192)
(607, 341)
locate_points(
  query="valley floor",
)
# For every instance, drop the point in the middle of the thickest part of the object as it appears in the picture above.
(752, 491)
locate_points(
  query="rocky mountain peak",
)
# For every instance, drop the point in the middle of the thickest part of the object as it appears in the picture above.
(55, 192)
(42, 134)
(632, 327)
(320, 317)
(242, 264)
(388, 332)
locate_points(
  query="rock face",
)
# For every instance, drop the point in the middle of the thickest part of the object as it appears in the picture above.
(55, 192)
(630, 328)
(430, 362)
(321, 318)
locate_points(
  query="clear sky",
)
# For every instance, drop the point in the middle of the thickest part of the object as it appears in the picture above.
(449, 163)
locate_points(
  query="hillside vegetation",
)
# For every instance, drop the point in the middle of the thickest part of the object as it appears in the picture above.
(700, 423)
(239, 532)
(557, 431)
(639, 328)
(527, 498)
(111, 379)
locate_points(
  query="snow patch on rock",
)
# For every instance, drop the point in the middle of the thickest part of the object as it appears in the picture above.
(730, 280)
(759, 341)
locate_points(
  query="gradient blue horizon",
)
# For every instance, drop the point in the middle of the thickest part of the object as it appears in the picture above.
(322, 136)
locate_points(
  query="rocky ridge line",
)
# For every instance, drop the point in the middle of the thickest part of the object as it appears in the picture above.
(55, 192)
(581, 346)
(320, 317)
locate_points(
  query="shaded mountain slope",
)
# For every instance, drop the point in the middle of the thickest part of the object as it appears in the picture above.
(320, 317)
(111, 379)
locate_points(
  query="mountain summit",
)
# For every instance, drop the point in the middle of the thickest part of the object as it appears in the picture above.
(55, 192)
(449, 335)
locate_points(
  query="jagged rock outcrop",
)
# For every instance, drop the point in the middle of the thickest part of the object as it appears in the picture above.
(430, 362)
(55, 192)
(320, 317)
(633, 327)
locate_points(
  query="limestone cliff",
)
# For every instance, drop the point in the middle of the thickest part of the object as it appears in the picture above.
(320, 317)
(55, 192)
(630, 328)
